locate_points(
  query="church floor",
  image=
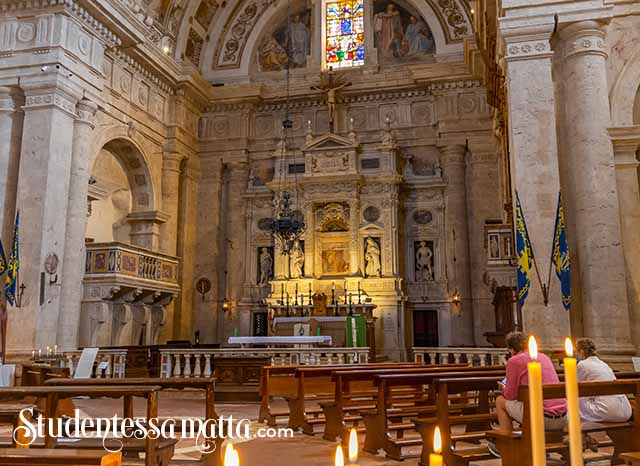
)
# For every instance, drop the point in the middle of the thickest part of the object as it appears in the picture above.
(299, 450)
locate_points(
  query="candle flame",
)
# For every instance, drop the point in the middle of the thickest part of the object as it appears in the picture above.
(339, 456)
(568, 347)
(533, 348)
(437, 441)
(231, 457)
(353, 446)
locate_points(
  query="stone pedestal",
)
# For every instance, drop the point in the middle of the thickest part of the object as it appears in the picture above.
(626, 142)
(534, 165)
(10, 133)
(591, 194)
(453, 162)
(74, 251)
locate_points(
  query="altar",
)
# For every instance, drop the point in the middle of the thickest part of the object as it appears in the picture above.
(289, 341)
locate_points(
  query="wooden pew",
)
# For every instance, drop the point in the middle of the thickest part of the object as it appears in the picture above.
(207, 384)
(515, 447)
(477, 423)
(395, 416)
(279, 382)
(58, 457)
(354, 391)
(158, 452)
(316, 385)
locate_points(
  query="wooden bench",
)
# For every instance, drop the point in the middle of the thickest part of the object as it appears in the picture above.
(515, 447)
(206, 384)
(631, 458)
(477, 422)
(395, 415)
(315, 385)
(354, 391)
(279, 382)
(158, 452)
(58, 457)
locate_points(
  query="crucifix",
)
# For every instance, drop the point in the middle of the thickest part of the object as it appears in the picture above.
(330, 84)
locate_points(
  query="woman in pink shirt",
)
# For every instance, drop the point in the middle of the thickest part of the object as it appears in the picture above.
(508, 408)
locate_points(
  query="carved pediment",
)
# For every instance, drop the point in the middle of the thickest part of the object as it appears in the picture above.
(328, 142)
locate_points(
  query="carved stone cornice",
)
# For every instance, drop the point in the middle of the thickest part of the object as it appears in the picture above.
(86, 111)
(583, 38)
(10, 100)
(143, 71)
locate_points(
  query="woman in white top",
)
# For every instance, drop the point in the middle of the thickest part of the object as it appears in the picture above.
(613, 408)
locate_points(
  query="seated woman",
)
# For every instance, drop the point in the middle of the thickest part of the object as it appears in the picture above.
(612, 408)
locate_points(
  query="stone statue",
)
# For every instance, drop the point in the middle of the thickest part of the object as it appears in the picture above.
(331, 85)
(372, 258)
(424, 255)
(296, 261)
(266, 266)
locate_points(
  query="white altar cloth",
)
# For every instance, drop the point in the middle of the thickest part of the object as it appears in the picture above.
(292, 340)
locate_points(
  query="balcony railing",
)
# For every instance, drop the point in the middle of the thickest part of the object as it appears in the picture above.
(470, 356)
(130, 262)
(194, 362)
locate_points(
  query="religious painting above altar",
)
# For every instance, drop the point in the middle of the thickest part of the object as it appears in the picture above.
(400, 33)
(292, 35)
(335, 258)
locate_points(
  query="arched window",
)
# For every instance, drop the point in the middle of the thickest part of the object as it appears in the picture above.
(343, 33)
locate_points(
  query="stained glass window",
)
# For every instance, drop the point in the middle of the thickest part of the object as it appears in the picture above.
(344, 33)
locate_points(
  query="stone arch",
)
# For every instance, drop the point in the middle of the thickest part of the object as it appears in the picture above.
(129, 152)
(625, 102)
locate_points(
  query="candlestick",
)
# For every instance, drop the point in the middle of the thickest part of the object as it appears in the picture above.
(39, 353)
(359, 302)
(55, 349)
(345, 292)
(573, 407)
(536, 407)
(282, 294)
(310, 293)
(435, 458)
(33, 354)
(353, 447)
(339, 460)
(287, 304)
(296, 301)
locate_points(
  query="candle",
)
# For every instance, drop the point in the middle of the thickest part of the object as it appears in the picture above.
(33, 354)
(231, 457)
(435, 458)
(333, 286)
(536, 407)
(353, 447)
(39, 353)
(55, 349)
(571, 388)
(339, 461)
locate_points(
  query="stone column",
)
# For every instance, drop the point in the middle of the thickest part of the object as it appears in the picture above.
(457, 242)
(625, 148)
(170, 201)
(483, 183)
(534, 164)
(43, 195)
(592, 200)
(10, 133)
(235, 231)
(74, 248)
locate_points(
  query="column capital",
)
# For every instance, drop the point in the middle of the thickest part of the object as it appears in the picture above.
(86, 111)
(583, 38)
(171, 161)
(527, 42)
(452, 153)
(10, 99)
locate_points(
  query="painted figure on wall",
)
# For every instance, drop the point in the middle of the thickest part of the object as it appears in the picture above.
(400, 35)
(292, 37)
(335, 259)
(372, 258)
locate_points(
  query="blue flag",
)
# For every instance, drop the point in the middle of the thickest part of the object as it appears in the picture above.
(11, 283)
(3, 260)
(560, 255)
(524, 252)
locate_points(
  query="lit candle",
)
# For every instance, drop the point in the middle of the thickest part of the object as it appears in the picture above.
(435, 458)
(33, 354)
(333, 286)
(536, 407)
(339, 461)
(55, 349)
(39, 353)
(353, 447)
(571, 388)
(231, 457)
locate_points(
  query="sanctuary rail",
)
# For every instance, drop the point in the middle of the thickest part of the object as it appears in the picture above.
(193, 362)
(116, 363)
(461, 355)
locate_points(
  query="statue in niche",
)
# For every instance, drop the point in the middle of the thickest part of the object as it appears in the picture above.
(424, 261)
(330, 84)
(372, 258)
(266, 266)
(296, 261)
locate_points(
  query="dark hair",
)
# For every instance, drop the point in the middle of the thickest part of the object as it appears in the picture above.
(586, 346)
(516, 341)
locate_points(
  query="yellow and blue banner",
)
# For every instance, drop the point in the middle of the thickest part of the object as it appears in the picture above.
(560, 255)
(11, 283)
(524, 252)
(3, 260)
